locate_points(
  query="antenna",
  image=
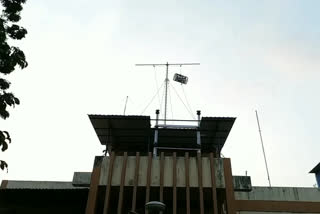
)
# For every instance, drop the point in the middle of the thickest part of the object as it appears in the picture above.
(264, 154)
(167, 81)
(125, 106)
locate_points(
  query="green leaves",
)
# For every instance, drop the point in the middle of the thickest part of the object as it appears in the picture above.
(4, 84)
(18, 57)
(10, 57)
(16, 32)
(7, 99)
(12, 9)
(3, 165)
(4, 140)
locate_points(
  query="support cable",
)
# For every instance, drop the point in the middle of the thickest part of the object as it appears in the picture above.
(162, 98)
(156, 80)
(185, 96)
(182, 102)
(152, 99)
(169, 93)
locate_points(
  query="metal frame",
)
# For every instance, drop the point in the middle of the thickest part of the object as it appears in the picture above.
(197, 127)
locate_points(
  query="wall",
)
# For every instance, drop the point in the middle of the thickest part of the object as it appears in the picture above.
(280, 194)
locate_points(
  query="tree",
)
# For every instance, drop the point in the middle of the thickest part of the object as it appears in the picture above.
(10, 58)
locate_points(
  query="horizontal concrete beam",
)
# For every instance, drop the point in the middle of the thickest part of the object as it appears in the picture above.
(280, 194)
(14, 184)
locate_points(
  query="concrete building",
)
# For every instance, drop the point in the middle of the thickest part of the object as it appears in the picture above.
(151, 160)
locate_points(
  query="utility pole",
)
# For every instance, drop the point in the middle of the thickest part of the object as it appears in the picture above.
(167, 81)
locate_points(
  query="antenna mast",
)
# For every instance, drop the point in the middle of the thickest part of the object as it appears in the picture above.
(167, 81)
(264, 154)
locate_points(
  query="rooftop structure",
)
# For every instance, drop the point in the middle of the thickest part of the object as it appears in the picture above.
(135, 133)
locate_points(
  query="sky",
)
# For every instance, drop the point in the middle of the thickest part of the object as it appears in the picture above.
(254, 55)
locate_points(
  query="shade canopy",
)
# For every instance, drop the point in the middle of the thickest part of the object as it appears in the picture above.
(134, 133)
(316, 169)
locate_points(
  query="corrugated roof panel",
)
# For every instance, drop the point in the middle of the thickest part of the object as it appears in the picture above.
(127, 132)
(316, 169)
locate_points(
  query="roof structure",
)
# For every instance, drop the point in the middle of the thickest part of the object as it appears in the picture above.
(134, 133)
(123, 132)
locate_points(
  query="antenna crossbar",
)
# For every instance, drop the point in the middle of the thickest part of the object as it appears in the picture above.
(168, 64)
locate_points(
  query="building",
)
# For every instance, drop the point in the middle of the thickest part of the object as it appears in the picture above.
(154, 160)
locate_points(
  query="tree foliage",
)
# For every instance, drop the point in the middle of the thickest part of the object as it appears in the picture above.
(10, 58)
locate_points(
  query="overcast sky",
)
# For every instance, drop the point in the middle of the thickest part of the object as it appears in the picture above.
(260, 55)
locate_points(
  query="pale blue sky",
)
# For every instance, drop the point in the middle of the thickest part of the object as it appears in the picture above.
(260, 55)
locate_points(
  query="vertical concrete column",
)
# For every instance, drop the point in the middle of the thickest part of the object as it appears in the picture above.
(186, 157)
(174, 183)
(213, 183)
(229, 186)
(161, 175)
(199, 159)
(94, 184)
(123, 176)
(108, 187)
(148, 179)
(136, 180)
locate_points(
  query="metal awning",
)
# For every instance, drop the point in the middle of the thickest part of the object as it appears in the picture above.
(316, 169)
(125, 132)
(122, 132)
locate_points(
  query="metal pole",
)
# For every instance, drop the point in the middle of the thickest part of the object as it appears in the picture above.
(155, 143)
(125, 106)
(264, 154)
(198, 131)
(166, 94)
